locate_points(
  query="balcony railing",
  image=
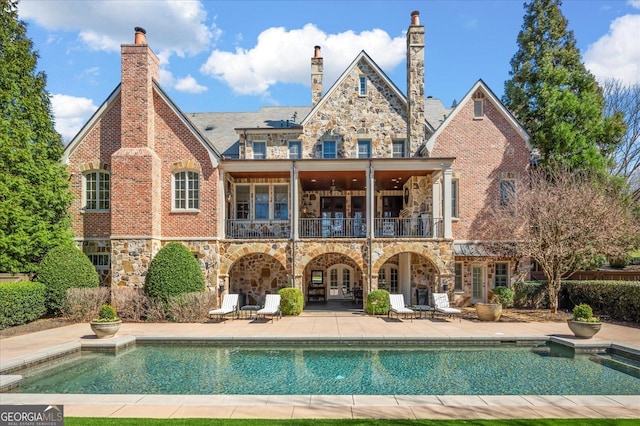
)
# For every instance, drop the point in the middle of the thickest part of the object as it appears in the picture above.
(416, 227)
(333, 228)
(419, 227)
(257, 229)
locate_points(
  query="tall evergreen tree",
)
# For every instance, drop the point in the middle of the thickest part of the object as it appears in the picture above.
(555, 97)
(34, 187)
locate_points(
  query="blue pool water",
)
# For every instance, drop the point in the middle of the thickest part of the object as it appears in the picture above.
(205, 369)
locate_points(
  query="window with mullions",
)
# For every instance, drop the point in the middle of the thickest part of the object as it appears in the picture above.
(97, 188)
(186, 190)
(329, 149)
(507, 192)
(501, 275)
(364, 149)
(362, 87)
(259, 150)
(454, 198)
(458, 276)
(295, 150)
(262, 202)
(398, 149)
(281, 202)
(243, 194)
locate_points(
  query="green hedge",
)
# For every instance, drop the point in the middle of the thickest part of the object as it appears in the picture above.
(173, 271)
(619, 300)
(21, 302)
(378, 302)
(291, 301)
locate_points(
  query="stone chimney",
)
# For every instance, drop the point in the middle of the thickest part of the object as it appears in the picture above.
(416, 130)
(316, 76)
(139, 67)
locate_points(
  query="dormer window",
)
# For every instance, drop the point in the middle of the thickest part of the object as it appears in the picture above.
(478, 105)
(259, 150)
(362, 88)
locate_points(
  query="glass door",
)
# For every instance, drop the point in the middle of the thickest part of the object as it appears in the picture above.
(477, 284)
(332, 212)
(340, 282)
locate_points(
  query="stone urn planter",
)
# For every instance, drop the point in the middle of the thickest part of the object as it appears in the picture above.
(104, 329)
(107, 324)
(488, 311)
(583, 324)
(584, 330)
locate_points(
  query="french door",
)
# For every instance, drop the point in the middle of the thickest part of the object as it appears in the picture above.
(340, 282)
(477, 284)
(332, 211)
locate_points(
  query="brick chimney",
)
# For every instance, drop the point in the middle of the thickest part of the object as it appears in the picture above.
(416, 131)
(139, 68)
(136, 196)
(316, 76)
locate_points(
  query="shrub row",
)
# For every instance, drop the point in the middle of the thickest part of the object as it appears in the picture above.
(21, 302)
(82, 304)
(619, 300)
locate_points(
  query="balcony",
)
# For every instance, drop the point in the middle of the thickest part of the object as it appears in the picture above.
(418, 227)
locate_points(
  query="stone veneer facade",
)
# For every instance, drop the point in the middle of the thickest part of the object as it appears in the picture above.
(142, 155)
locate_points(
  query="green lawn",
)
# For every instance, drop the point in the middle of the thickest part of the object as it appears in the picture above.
(75, 421)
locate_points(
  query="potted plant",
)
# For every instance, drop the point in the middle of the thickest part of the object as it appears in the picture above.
(499, 297)
(107, 324)
(583, 324)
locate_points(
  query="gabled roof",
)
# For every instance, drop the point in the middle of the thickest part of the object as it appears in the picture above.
(362, 56)
(214, 155)
(494, 100)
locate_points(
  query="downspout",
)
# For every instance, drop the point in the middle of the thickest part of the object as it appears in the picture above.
(293, 228)
(370, 220)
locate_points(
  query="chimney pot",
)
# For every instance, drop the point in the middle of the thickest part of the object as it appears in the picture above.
(316, 52)
(140, 36)
(415, 17)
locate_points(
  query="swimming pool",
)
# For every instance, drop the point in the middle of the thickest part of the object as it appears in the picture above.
(332, 370)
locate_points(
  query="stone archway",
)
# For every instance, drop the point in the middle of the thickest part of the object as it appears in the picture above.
(255, 275)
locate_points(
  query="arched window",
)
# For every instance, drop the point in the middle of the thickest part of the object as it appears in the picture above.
(186, 190)
(96, 190)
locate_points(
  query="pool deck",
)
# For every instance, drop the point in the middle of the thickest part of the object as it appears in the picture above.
(340, 326)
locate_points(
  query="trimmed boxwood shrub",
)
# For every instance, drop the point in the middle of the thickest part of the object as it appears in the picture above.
(62, 268)
(173, 271)
(291, 301)
(503, 295)
(21, 302)
(377, 302)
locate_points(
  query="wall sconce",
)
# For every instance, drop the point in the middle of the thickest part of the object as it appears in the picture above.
(229, 197)
(220, 288)
(304, 209)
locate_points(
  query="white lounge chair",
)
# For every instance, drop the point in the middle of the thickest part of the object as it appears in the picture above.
(229, 305)
(271, 307)
(398, 307)
(441, 302)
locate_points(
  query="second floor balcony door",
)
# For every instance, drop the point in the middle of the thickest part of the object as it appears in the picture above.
(333, 213)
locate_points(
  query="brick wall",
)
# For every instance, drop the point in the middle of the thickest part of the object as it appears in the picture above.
(483, 149)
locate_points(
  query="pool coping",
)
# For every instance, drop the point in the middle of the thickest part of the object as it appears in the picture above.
(322, 406)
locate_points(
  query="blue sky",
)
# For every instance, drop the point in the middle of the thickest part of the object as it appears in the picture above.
(241, 55)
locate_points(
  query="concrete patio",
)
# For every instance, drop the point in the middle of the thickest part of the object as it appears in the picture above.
(332, 326)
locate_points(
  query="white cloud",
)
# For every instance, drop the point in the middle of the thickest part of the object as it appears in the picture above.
(253, 71)
(617, 54)
(70, 114)
(174, 26)
(189, 85)
(634, 3)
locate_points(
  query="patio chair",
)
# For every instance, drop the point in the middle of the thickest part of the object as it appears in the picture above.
(398, 307)
(441, 302)
(229, 305)
(271, 307)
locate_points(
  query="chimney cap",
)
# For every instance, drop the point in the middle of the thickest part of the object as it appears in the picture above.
(415, 17)
(140, 30)
(316, 52)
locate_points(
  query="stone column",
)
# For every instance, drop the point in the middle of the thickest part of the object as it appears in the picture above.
(446, 203)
